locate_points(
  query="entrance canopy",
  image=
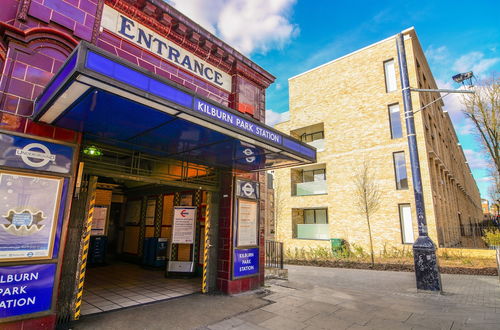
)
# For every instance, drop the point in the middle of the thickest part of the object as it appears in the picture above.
(115, 102)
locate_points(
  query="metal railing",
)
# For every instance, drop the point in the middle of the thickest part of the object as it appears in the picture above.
(274, 254)
(468, 235)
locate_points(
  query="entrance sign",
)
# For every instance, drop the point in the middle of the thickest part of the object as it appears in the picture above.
(184, 225)
(29, 208)
(21, 152)
(150, 40)
(247, 189)
(26, 289)
(247, 223)
(246, 262)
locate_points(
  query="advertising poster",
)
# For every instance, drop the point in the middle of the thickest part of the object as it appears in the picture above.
(26, 289)
(99, 220)
(246, 262)
(29, 206)
(184, 225)
(247, 223)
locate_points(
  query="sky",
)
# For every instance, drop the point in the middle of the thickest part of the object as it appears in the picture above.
(288, 37)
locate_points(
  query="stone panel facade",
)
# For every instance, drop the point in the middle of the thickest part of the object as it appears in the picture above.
(348, 96)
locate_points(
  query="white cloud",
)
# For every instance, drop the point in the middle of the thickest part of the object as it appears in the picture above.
(249, 26)
(476, 159)
(437, 54)
(474, 61)
(487, 179)
(273, 117)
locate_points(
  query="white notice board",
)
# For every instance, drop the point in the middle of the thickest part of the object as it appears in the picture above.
(184, 224)
(247, 223)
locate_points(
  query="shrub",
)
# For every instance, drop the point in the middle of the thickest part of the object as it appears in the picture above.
(492, 237)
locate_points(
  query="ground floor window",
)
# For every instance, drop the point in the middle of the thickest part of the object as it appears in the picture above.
(406, 224)
(310, 223)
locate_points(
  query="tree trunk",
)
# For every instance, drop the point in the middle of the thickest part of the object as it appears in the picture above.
(371, 241)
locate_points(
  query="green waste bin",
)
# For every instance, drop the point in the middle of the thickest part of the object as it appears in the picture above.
(337, 245)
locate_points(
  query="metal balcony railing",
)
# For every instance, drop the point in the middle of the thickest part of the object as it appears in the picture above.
(311, 188)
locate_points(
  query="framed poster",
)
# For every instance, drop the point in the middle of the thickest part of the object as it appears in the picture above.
(247, 223)
(133, 212)
(99, 220)
(184, 225)
(150, 212)
(29, 209)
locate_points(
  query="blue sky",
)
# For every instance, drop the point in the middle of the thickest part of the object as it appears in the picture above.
(287, 37)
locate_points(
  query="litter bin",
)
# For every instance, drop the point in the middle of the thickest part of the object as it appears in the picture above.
(155, 252)
(337, 246)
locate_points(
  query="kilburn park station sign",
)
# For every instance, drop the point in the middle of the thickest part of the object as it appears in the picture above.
(147, 39)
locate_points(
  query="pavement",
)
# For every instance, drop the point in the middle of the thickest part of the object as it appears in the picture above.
(324, 298)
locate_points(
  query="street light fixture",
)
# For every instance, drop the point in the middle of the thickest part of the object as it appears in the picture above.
(427, 273)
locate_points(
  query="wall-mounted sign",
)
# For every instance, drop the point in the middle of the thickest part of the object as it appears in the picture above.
(236, 121)
(245, 262)
(99, 219)
(150, 40)
(247, 223)
(29, 208)
(247, 189)
(20, 152)
(26, 289)
(184, 225)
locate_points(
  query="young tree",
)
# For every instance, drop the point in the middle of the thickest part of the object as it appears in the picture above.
(367, 198)
(483, 108)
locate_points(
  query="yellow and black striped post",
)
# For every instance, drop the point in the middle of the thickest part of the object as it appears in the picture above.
(87, 227)
(206, 245)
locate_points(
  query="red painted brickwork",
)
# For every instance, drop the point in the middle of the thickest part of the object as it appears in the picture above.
(42, 323)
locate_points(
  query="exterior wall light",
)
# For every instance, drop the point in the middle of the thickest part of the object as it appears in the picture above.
(92, 151)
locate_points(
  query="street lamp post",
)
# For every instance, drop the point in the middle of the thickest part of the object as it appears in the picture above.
(424, 251)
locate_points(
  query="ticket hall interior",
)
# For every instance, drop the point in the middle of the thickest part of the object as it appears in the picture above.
(131, 258)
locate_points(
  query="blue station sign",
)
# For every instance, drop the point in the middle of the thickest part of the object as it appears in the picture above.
(21, 152)
(246, 262)
(26, 289)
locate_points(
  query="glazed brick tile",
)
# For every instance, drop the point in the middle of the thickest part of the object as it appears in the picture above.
(39, 11)
(37, 90)
(66, 9)
(10, 103)
(88, 6)
(39, 129)
(39, 60)
(83, 32)
(25, 107)
(151, 59)
(107, 47)
(57, 66)
(12, 122)
(177, 80)
(89, 21)
(72, 2)
(126, 56)
(19, 70)
(162, 73)
(110, 39)
(63, 20)
(37, 76)
(131, 49)
(64, 134)
(145, 65)
(20, 88)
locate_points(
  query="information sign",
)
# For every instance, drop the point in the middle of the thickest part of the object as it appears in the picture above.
(26, 289)
(184, 225)
(29, 210)
(99, 220)
(246, 262)
(247, 223)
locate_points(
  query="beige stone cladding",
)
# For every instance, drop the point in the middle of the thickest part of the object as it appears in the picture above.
(348, 97)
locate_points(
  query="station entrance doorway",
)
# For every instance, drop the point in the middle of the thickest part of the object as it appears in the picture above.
(129, 249)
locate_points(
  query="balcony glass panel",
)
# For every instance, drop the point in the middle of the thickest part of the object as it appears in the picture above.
(311, 188)
(318, 144)
(312, 231)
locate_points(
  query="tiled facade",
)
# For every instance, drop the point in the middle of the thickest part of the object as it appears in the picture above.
(36, 37)
(349, 97)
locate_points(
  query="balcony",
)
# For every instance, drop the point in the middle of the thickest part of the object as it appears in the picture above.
(318, 144)
(313, 231)
(311, 188)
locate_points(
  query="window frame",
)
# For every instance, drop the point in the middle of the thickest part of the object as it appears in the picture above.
(315, 217)
(386, 75)
(313, 174)
(390, 120)
(401, 223)
(396, 170)
(304, 136)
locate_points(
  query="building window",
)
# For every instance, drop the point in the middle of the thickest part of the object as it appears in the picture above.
(310, 137)
(395, 120)
(314, 175)
(400, 170)
(315, 216)
(406, 224)
(390, 76)
(310, 224)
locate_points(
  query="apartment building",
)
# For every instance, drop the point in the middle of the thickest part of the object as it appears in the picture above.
(351, 110)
